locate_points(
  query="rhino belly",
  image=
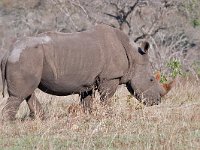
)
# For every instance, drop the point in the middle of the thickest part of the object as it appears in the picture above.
(66, 85)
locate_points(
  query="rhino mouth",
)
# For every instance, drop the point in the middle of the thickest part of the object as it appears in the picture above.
(141, 96)
(137, 95)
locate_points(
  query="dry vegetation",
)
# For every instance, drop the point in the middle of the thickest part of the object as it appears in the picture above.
(125, 124)
(172, 28)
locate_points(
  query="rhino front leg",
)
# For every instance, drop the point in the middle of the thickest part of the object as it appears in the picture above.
(107, 89)
(35, 107)
(11, 108)
(87, 101)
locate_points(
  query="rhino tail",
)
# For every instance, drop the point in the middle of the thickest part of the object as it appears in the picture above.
(3, 72)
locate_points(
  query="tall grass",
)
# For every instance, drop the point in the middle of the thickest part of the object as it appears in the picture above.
(125, 124)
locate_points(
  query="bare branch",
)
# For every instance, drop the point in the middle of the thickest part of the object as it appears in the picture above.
(121, 14)
(78, 4)
(65, 11)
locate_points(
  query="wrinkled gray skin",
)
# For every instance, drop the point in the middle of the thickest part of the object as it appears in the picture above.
(63, 64)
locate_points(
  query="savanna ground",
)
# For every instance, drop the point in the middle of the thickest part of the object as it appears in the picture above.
(124, 124)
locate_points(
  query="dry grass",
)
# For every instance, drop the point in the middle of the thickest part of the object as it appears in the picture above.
(125, 124)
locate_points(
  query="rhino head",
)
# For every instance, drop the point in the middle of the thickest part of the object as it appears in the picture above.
(142, 84)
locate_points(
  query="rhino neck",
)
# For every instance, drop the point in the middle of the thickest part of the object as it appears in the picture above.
(129, 50)
(129, 73)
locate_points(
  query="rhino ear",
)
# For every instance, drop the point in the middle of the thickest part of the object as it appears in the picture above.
(143, 49)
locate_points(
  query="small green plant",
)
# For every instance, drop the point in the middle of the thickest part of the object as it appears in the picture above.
(196, 22)
(175, 67)
(191, 7)
(163, 78)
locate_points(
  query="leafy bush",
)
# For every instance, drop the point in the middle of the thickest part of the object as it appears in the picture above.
(175, 67)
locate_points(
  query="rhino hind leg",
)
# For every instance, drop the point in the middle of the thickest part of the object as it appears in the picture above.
(87, 101)
(21, 86)
(11, 108)
(19, 90)
(35, 107)
(107, 89)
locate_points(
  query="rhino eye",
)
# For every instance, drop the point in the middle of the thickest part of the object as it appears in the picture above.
(151, 79)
